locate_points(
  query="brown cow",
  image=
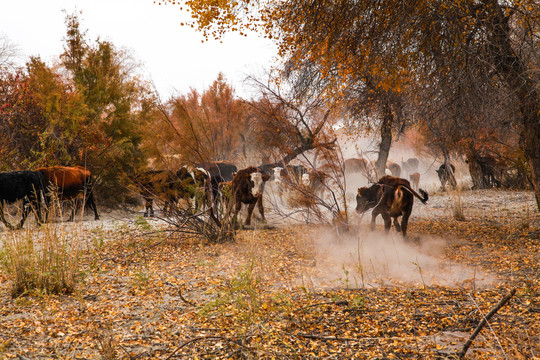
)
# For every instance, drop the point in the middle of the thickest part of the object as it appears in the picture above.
(415, 180)
(69, 183)
(247, 188)
(359, 166)
(391, 197)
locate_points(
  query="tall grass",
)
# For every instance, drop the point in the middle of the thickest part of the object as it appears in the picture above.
(44, 259)
(457, 205)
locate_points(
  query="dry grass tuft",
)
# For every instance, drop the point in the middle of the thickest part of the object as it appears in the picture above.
(44, 260)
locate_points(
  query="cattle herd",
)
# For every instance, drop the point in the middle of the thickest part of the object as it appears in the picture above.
(40, 187)
(204, 186)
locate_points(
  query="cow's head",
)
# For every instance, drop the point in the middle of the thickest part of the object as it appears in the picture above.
(277, 174)
(258, 181)
(366, 198)
(305, 180)
(201, 176)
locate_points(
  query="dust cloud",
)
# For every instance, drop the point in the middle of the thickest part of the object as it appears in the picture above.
(373, 259)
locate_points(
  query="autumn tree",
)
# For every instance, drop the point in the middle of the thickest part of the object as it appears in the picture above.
(84, 111)
(199, 127)
(290, 116)
(21, 121)
(109, 127)
(408, 38)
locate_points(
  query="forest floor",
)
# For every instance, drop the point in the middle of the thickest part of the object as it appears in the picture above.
(294, 292)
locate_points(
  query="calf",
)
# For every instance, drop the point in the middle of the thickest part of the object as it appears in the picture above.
(69, 183)
(415, 180)
(247, 188)
(391, 197)
(287, 177)
(21, 185)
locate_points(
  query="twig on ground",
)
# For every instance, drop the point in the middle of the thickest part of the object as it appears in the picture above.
(484, 321)
(184, 299)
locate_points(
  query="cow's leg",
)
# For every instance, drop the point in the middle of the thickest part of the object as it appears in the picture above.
(405, 222)
(148, 207)
(91, 201)
(396, 224)
(250, 212)
(387, 221)
(237, 208)
(260, 206)
(3, 219)
(373, 217)
(73, 207)
(26, 210)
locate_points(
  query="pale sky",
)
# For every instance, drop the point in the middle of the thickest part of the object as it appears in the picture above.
(173, 57)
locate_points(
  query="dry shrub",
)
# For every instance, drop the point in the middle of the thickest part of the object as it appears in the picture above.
(457, 206)
(207, 222)
(45, 260)
(300, 197)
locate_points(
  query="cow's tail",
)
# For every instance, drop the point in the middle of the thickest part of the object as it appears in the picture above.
(423, 198)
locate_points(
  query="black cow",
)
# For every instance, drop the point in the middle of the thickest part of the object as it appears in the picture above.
(391, 197)
(444, 175)
(219, 169)
(21, 185)
(219, 172)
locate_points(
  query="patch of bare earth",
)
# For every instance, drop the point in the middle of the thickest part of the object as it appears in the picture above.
(299, 292)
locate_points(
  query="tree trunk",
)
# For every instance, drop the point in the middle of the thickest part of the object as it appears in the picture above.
(448, 167)
(475, 169)
(386, 139)
(514, 72)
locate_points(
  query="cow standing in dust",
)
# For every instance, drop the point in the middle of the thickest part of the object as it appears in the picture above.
(247, 188)
(390, 197)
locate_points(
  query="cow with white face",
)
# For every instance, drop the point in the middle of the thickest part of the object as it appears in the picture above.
(247, 188)
(315, 181)
(280, 179)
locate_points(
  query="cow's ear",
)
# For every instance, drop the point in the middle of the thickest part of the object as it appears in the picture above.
(360, 191)
(266, 177)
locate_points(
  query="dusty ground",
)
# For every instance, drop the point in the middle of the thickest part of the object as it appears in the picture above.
(296, 291)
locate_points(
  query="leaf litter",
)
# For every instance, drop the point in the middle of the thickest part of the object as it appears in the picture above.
(298, 292)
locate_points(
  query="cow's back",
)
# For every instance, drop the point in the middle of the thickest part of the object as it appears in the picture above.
(68, 180)
(16, 185)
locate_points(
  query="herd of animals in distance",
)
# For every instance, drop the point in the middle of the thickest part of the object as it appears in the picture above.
(390, 196)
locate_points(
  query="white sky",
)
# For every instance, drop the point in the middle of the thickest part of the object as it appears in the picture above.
(173, 56)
